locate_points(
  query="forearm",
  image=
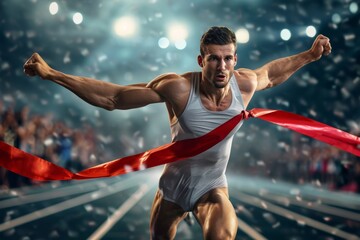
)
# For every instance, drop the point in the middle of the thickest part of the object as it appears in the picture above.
(94, 92)
(279, 70)
(107, 95)
(98, 93)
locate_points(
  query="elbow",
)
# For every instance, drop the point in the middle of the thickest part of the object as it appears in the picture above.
(109, 108)
(275, 81)
(270, 85)
(279, 80)
(109, 104)
(265, 85)
(106, 107)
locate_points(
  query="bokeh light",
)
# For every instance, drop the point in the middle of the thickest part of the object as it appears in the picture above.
(336, 18)
(78, 18)
(285, 34)
(310, 31)
(242, 35)
(53, 8)
(163, 42)
(180, 44)
(130, 42)
(126, 26)
(353, 7)
(177, 31)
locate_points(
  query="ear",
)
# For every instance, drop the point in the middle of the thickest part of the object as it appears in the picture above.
(235, 59)
(200, 61)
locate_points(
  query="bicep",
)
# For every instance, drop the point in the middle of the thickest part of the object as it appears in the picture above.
(142, 94)
(165, 85)
(251, 80)
(262, 78)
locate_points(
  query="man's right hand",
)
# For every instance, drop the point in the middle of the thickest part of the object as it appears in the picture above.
(36, 66)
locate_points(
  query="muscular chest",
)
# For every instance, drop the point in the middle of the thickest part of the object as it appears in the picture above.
(212, 105)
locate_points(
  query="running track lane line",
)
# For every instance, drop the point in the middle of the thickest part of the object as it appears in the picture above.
(53, 193)
(327, 200)
(120, 212)
(134, 199)
(313, 206)
(249, 230)
(257, 202)
(85, 198)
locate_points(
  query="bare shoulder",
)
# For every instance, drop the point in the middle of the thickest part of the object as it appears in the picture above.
(246, 79)
(171, 83)
(175, 91)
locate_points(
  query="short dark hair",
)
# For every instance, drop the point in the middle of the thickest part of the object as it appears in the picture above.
(217, 35)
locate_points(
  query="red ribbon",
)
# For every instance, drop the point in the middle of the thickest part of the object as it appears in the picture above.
(320, 131)
(37, 168)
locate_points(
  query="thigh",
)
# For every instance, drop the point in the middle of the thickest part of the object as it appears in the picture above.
(216, 215)
(165, 216)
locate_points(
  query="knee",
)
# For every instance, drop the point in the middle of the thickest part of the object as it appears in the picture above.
(162, 236)
(162, 232)
(221, 234)
(225, 231)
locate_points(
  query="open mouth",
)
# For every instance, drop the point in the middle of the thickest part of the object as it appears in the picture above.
(221, 77)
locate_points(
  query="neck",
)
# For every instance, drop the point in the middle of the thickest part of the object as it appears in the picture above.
(214, 94)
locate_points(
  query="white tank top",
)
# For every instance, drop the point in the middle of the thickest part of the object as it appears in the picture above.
(184, 182)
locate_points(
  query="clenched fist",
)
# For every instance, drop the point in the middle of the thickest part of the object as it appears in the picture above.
(36, 66)
(321, 46)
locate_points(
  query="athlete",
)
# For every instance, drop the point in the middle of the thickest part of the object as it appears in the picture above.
(197, 102)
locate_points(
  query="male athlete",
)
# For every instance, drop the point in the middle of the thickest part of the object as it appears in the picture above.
(197, 102)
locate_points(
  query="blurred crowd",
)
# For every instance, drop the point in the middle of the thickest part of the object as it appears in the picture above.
(46, 137)
(77, 148)
(302, 160)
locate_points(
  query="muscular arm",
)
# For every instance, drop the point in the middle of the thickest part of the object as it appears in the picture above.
(98, 93)
(279, 70)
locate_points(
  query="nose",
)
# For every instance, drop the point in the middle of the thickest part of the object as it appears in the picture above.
(221, 65)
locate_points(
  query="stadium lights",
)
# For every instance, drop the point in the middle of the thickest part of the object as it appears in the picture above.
(285, 34)
(53, 8)
(310, 31)
(177, 32)
(126, 26)
(163, 42)
(336, 18)
(77, 18)
(180, 44)
(353, 7)
(242, 35)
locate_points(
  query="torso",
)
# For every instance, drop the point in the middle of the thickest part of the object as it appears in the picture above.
(176, 91)
(185, 181)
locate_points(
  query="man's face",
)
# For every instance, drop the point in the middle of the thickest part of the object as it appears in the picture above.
(218, 64)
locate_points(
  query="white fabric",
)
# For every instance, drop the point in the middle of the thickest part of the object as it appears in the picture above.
(184, 182)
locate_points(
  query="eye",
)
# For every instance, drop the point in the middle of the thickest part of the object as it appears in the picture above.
(211, 58)
(229, 58)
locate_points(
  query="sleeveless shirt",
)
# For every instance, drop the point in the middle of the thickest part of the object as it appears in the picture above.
(184, 182)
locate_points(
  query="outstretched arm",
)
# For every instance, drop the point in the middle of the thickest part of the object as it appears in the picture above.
(98, 93)
(279, 70)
